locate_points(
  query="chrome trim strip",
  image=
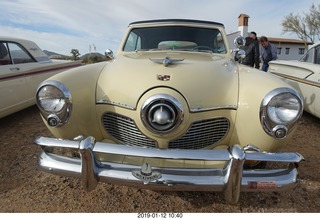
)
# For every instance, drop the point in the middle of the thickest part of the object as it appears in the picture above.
(193, 110)
(271, 70)
(301, 80)
(27, 74)
(101, 101)
(201, 109)
(231, 180)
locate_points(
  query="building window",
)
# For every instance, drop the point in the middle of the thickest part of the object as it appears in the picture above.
(287, 51)
(279, 50)
(301, 51)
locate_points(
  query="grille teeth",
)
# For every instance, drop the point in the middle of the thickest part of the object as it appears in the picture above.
(125, 131)
(201, 134)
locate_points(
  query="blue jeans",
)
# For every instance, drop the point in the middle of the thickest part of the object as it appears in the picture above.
(265, 67)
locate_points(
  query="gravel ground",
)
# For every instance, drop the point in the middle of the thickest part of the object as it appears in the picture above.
(24, 188)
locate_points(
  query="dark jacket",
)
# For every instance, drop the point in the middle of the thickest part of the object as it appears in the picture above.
(252, 53)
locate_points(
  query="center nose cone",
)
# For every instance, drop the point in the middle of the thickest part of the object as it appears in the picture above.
(161, 117)
(161, 113)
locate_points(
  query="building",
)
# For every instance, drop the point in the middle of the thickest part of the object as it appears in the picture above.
(288, 49)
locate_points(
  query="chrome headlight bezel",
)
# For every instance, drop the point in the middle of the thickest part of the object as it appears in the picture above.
(279, 111)
(54, 101)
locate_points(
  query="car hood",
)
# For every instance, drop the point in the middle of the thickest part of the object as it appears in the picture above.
(204, 80)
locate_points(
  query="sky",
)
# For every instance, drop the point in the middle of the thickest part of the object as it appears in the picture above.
(96, 25)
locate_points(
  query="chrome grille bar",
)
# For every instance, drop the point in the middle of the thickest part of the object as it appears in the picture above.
(125, 131)
(202, 134)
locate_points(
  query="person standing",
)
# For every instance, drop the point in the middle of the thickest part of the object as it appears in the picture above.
(251, 48)
(268, 52)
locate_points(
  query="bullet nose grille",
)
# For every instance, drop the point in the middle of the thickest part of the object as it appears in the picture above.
(201, 134)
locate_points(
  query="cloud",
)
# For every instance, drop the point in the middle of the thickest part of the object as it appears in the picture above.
(61, 25)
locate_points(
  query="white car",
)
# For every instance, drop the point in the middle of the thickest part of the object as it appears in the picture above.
(23, 66)
(304, 76)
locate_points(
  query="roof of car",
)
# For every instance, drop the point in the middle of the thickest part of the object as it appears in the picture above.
(177, 20)
(14, 39)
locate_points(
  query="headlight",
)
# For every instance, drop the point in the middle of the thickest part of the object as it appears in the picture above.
(54, 101)
(51, 99)
(279, 111)
(284, 108)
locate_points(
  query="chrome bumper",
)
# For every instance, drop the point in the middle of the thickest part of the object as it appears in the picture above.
(231, 180)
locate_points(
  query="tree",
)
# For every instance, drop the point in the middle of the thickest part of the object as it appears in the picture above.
(93, 59)
(75, 54)
(306, 27)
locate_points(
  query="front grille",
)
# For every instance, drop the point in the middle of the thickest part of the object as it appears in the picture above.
(125, 131)
(202, 134)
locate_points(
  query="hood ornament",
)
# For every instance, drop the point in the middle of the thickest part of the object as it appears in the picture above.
(166, 61)
(145, 174)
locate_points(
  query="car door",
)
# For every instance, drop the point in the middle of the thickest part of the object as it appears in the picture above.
(13, 65)
(316, 79)
(312, 94)
(308, 71)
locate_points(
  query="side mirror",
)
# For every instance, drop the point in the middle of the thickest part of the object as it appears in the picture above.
(241, 54)
(239, 41)
(109, 54)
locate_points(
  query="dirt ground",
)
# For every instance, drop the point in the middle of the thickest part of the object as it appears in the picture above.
(24, 188)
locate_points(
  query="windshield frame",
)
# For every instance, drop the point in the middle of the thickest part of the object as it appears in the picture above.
(208, 39)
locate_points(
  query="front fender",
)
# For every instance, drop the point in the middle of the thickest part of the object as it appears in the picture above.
(81, 82)
(253, 86)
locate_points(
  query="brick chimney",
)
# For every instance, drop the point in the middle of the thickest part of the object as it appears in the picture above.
(243, 24)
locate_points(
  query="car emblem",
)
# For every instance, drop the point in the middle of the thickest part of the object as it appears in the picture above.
(163, 77)
(166, 61)
(145, 174)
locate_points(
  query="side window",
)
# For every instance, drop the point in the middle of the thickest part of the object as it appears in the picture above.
(317, 55)
(309, 56)
(133, 43)
(4, 54)
(301, 51)
(18, 54)
(287, 51)
(279, 50)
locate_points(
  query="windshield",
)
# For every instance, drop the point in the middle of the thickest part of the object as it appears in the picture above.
(312, 56)
(175, 38)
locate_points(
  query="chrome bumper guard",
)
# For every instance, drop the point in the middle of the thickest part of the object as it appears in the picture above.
(231, 180)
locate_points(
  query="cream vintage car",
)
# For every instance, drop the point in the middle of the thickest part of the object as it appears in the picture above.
(304, 76)
(23, 66)
(171, 111)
